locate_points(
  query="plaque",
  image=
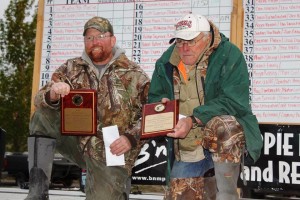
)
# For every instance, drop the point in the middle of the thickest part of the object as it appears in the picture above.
(79, 113)
(159, 119)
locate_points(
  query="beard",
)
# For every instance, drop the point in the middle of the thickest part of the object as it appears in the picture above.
(98, 54)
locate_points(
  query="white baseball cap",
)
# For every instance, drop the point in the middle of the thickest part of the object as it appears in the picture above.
(190, 26)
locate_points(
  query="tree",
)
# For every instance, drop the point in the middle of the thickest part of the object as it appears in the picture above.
(17, 45)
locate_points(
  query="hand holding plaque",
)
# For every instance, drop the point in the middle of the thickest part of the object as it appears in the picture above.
(159, 119)
(79, 113)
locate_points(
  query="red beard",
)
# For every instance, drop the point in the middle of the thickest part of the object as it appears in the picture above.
(98, 54)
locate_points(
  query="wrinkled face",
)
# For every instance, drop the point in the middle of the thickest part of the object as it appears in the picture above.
(190, 50)
(99, 46)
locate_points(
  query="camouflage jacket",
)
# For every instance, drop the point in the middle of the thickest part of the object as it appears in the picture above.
(122, 90)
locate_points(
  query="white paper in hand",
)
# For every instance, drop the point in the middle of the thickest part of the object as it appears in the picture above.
(110, 134)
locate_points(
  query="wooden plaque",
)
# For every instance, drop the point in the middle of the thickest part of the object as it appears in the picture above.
(79, 113)
(159, 119)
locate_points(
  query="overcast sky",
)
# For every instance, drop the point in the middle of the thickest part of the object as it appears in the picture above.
(3, 7)
(4, 4)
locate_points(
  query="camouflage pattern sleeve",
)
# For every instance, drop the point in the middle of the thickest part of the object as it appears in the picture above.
(42, 98)
(142, 87)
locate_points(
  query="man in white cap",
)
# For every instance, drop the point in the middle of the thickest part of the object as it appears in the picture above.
(209, 77)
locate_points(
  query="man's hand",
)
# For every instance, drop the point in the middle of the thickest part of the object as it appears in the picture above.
(58, 90)
(120, 146)
(165, 100)
(182, 128)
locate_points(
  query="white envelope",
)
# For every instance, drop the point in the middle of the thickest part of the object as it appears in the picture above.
(110, 134)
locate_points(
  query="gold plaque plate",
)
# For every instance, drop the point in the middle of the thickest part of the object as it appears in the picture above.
(159, 119)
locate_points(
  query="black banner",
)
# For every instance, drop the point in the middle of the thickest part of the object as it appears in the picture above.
(150, 167)
(278, 168)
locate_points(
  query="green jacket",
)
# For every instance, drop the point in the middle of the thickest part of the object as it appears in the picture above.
(226, 89)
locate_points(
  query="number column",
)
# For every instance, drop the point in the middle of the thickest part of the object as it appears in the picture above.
(249, 41)
(45, 72)
(138, 30)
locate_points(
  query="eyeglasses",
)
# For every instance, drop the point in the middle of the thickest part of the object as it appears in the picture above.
(91, 38)
(190, 43)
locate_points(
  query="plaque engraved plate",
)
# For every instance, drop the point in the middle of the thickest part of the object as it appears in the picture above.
(159, 119)
(79, 113)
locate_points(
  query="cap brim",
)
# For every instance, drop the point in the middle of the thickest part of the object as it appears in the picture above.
(94, 27)
(185, 36)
